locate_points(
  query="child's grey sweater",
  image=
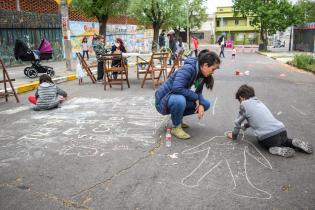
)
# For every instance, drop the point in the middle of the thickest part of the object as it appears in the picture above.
(259, 118)
(47, 96)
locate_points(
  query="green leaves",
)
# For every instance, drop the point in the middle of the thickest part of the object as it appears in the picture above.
(308, 9)
(270, 15)
(100, 8)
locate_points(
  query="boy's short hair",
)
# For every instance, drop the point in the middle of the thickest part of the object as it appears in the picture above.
(245, 91)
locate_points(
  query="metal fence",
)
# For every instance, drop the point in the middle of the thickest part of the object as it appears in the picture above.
(31, 28)
(304, 40)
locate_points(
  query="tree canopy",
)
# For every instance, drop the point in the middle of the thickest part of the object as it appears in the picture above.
(269, 15)
(101, 9)
(155, 12)
(308, 9)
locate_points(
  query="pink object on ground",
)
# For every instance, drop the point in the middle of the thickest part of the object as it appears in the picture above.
(32, 99)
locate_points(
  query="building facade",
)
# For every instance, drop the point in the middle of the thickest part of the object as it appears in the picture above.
(206, 33)
(237, 28)
(304, 38)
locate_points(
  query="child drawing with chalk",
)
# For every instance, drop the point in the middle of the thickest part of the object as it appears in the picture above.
(48, 95)
(270, 132)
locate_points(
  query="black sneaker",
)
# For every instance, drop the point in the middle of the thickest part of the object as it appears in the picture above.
(282, 151)
(306, 147)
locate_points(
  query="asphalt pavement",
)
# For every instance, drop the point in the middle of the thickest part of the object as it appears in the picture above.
(106, 149)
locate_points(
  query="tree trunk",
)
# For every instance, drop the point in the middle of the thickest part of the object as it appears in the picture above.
(263, 37)
(156, 28)
(103, 23)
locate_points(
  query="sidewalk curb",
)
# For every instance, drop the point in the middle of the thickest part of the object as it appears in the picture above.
(23, 88)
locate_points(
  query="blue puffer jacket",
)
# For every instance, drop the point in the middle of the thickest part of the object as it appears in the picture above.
(179, 83)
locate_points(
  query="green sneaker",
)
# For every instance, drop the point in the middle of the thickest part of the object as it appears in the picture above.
(184, 125)
(180, 133)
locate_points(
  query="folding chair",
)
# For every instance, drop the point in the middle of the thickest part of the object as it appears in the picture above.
(177, 63)
(115, 63)
(6, 78)
(157, 63)
(86, 67)
(141, 66)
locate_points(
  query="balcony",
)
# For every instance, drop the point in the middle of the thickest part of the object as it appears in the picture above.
(236, 28)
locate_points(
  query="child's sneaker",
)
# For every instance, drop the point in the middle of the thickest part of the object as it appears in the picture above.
(306, 147)
(282, 151)
(180, 133)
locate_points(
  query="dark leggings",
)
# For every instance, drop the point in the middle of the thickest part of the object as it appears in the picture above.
(196, 53)
(278, 140)
(100, 71)
(87, 54)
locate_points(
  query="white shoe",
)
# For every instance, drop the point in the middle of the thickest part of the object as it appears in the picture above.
(306, 147)
(282, 151)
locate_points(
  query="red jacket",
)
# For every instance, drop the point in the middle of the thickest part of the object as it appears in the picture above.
(195, 43)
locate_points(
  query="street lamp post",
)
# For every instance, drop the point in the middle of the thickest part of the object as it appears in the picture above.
(66, 33)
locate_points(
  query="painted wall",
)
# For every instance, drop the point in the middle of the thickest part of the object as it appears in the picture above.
(135, 38)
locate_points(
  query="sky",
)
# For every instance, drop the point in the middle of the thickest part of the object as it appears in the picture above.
(213, 4)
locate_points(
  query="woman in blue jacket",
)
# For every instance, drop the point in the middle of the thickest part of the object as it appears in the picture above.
(175, 96)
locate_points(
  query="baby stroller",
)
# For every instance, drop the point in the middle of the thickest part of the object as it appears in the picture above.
(44, 52)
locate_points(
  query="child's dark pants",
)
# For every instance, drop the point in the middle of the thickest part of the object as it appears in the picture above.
(279, 140)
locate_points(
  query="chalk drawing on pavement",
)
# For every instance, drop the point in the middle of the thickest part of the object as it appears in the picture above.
(82, 127)
(230, 154)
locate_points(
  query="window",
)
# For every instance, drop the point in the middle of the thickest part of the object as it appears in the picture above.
(199, 35)
(240, 36)
(236, 22)
(250, 22)
(251, 35)
(218, 23)
(221, 10)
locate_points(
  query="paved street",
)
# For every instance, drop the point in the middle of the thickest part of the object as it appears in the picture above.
(105, 149)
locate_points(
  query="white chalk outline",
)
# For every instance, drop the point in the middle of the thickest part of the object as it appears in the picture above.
(268, 165)
(299, 111)
(213, 108)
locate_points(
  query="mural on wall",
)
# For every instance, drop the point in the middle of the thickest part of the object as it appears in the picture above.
(135, 38)
(78, 31)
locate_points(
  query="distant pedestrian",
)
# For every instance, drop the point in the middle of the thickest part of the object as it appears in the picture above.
(222, 45)
(99, 51)
(94, 41)
(85, 48)
(179, 45)
(233, 53)
(79, 72)
(195, 43)
(172, 45)
(270, 132)
(162, 39)
(48, 95)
